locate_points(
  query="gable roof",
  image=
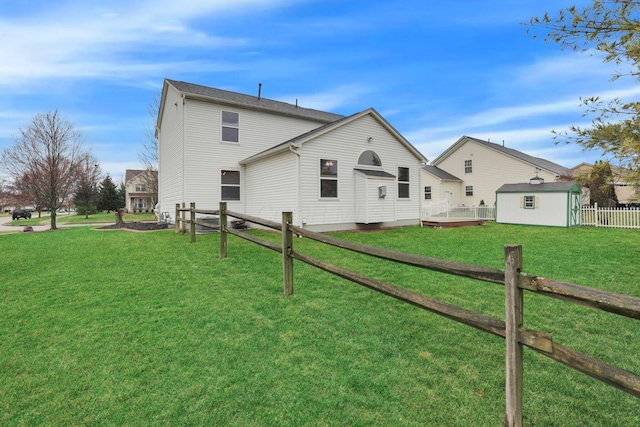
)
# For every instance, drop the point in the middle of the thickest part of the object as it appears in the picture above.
(439, 173)
(535, 161)
(551, 187)
(297, 141)
(236, 99)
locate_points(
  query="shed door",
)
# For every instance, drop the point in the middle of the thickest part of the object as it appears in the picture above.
(575, 216)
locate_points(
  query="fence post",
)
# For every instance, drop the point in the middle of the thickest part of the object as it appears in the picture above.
(595, 213)
(183, 225)
(287, 247)
(223, 229)
(177, 218)
(514, 320)
(192, 210)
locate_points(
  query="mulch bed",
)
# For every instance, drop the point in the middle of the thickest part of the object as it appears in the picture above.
(135, 226)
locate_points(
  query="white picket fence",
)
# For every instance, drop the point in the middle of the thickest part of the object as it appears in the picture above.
(610, 217)
(487, 213)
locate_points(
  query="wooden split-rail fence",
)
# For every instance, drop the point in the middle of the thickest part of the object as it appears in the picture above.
(514, 280)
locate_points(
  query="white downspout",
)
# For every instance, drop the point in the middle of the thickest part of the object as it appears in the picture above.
(184, 149)
(298, 187)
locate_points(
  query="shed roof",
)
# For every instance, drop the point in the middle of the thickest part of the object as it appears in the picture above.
(251, 102)
(550, 187)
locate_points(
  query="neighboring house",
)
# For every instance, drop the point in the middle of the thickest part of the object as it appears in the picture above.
(625, 191)
(139, 189)
(471, 170)
(263, 157)
(556, 204)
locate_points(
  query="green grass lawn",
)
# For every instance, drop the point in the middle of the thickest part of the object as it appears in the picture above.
(118, 328)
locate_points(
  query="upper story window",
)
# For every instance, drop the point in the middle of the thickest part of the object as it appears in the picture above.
(403, 183)
(230, 126)
(427, 192)
(141, 188)
(328, 178)
(468, 166)
(230, 188)
(468, 191)
(369, 158)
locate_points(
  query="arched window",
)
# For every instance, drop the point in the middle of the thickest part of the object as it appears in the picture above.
(369, 158)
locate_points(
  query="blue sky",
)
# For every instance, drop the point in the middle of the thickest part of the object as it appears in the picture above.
(436, 70)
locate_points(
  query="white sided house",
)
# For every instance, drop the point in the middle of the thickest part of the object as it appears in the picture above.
(557, 204)
(263, 157)
(471, 170)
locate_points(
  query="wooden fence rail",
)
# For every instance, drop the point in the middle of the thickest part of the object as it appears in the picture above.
(512, 278)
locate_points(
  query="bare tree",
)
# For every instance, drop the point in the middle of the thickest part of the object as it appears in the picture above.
(45, 159)
(149, 154)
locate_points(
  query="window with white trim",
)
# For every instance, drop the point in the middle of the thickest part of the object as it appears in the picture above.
(141, 188)
(468, 190)
(427, 192)
(369, 158)
(230, 185)
(468, 166)
(403, 183)
(328, 178)
(139, 203)
(230, 126)
(529, 202)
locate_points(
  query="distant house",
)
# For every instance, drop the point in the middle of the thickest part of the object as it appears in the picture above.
(141, 190)
(471, 170)
(557, 204)
(263, 157)
(625, 191)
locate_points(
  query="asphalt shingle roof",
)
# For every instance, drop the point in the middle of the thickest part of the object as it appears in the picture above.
(526, 187)
(439, 173)
(249, 101)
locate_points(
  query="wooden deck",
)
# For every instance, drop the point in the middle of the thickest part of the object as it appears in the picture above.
(450, 222)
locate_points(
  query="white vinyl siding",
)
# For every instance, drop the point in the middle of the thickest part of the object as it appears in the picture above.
(171, 154)
(206, 155)
(348, 143)
(550, 209)
(271, 187)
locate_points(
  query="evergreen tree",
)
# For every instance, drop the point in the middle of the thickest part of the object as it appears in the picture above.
(108, 199)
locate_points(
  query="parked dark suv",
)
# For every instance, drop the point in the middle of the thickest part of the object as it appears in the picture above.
(21, 213)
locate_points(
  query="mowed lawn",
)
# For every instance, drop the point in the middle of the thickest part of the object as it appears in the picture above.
(121, 328)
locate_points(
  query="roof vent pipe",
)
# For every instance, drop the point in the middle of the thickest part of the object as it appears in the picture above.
(259, 89)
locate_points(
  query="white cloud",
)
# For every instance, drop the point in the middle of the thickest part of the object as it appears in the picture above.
(76, 41)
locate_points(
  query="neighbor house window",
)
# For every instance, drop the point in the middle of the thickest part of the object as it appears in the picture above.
(139, 203)
(468, 190)
(468, 166)
(529, 202)
(427, 192)
(230, 189)
(141, 188)
(328, 178)
(230, 126)
(369, 158)
(403, 183)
